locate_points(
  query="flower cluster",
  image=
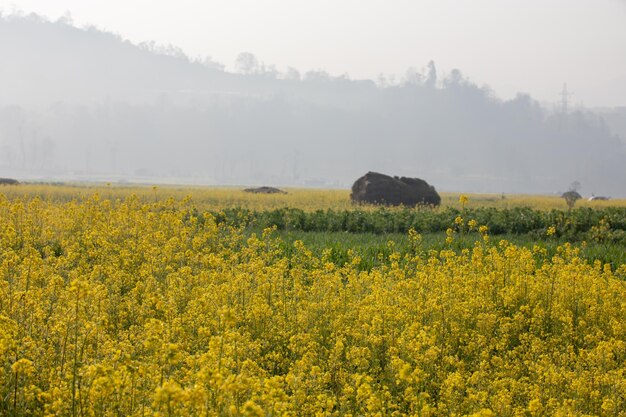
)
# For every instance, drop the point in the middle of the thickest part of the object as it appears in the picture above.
(131, 308)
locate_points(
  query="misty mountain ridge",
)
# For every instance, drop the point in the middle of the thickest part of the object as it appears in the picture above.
(83, 103)
(89, 65)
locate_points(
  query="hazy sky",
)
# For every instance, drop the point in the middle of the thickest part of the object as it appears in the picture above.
(531, 46)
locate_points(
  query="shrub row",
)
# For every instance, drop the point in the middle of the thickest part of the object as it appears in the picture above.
(385, 220)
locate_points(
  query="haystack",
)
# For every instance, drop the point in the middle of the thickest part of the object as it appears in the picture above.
(376, 188)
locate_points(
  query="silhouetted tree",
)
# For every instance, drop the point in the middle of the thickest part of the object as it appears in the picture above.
(292, 74)
(572, 195)
(247, 63)
(431, 77)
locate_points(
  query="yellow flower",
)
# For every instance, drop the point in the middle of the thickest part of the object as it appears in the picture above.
(535, 407)
(23, 367)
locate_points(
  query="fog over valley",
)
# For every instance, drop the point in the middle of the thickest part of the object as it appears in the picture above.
(85, 104)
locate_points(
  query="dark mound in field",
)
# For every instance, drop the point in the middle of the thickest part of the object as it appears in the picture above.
(375, 188)
(265, 190)
(8, 181)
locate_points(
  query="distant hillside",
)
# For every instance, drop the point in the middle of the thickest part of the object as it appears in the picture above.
(58, 62)
(54, 61)
(83, 103)
(615, 119)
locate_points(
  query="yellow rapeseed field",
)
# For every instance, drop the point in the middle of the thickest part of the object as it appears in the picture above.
(139, 308)
(216, 198)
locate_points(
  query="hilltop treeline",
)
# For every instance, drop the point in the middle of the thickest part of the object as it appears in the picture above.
(86, 102)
